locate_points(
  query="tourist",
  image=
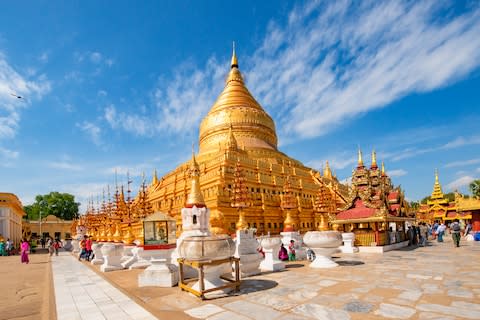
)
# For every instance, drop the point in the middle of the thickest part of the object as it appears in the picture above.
(24, 247)
(56, 245)
(42, 241)
(455, 230)
(310, 254)
(434, 228)
(283, 254)
(468, 228)
(50, 247)
(9, 246)
(440, 232)
(291, 250)
(423, 234)
(88, 248)
(83, 250)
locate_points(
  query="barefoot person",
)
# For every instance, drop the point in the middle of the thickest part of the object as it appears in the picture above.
(24, 247)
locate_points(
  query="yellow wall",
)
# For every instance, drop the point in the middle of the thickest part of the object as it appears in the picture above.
(11, 213)
(50, 225)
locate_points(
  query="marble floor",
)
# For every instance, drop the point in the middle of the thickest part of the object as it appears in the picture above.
(433, 282)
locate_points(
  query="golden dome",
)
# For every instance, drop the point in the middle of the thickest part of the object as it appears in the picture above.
(236, 111)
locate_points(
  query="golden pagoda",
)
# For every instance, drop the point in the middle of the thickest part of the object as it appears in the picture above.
(237, 129)
(439, 209)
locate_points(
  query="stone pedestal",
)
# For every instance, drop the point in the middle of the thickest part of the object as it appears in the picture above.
(246, 249)
(212, 280)
(271, 246)
(324, 244)
(141, 258)
(300, 251)
(97, 253)
(112, 255)
(159, 274)
(127, 252)
(76, 246)
(67, 245)
(348, 239)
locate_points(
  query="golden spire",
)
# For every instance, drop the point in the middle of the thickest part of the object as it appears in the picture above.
(374, 159)
(155, 178)
(232, 142)
(234, 63)
(327, 173)
(195, 198)
(360, 160)
(437, 188)
(383, 169)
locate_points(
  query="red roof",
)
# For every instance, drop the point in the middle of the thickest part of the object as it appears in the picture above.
(393, 195)
(358, 212)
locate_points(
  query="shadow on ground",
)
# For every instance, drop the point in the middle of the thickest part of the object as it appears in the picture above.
(294, 265)
(350, 262)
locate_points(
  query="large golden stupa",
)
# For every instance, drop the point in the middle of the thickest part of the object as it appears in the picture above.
(237, 134)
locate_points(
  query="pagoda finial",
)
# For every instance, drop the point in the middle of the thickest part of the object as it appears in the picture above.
(437, 188)
(234, 63)
(383, 169)
(195, 197)
(374, 159)
(327, 173)
(360, 160)
(155, 178)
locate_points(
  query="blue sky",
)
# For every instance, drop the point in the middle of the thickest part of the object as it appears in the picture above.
(117, 85)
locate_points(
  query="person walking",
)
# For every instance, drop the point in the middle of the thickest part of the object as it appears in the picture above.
(440, 232)
(24, 247)
(291, 250)
(9, 246)
(83, 249)
(423, 233)
(88, 248)
(56, 245)
(455, 230)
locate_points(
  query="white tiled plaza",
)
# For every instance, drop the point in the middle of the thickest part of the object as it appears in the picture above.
(82, 294)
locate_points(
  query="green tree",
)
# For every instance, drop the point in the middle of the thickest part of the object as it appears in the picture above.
(61, 205)
(414, 205)
(475, 188)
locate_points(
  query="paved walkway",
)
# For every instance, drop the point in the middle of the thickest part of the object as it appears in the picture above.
(434, 282)
(80, 293)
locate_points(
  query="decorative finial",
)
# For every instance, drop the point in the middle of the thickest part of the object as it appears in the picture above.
(374, 159)
(155, 178)
(195, 198)
(234, 63)
(436, 175)
(360, 160)
(383, 169)
(327, 172)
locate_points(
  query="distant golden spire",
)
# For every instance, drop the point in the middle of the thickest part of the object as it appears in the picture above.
(155, 178)
(437, 188)
(234, 63)
(360, 160)
(383, 169)
(374, 159)
(327, 173)
(195, 198)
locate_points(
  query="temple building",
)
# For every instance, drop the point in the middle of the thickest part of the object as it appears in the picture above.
(11, 213)
(374, 207)
(438, 208)
(237, 137)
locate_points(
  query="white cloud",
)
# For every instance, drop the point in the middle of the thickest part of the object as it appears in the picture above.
(85, 192)
(8, 154)
(461, 141)
(459, 183)
(397, 173)
(102, 93)
(109, 62)
(43, 57)
(337, 60)
(462, 163)
(95, 57)
(133, 123)
(13, 83)
(335, 161)
(63, 165)
(92, 130)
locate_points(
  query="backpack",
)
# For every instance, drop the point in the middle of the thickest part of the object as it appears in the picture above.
(456, 227)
